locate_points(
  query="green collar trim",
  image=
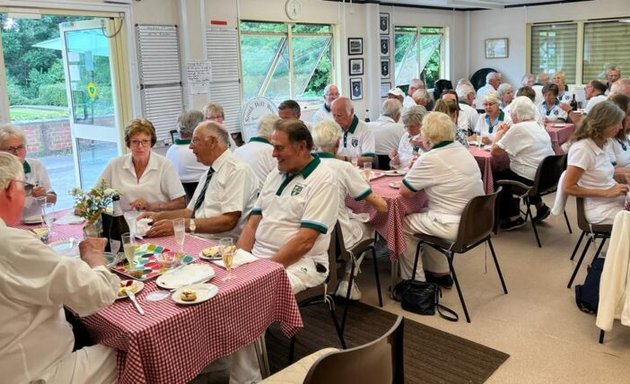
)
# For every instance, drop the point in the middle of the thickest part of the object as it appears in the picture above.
(27, 167)
(324, 155)
(442, 144)
(182, 141)
(305, 172)
(353, 125)
(259, 140)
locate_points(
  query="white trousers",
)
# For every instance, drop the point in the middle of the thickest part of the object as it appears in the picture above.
(303, 274)
(430, 260)
(89, 365)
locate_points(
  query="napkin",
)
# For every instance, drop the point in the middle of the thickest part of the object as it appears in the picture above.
(240, 257)
(69, 218)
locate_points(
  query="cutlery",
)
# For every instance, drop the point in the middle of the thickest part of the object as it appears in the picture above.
(132, 297)
(198, 281)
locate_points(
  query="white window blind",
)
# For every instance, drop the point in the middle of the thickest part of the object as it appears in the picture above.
(554, 48)
(605, 44)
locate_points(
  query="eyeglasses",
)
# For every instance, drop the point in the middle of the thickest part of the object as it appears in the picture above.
(138, 143)
(28, 187)
(14, 150)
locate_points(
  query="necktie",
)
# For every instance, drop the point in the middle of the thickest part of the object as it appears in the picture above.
(202, 193)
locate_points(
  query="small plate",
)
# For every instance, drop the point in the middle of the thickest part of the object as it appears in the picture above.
(32, 220)
(395, 184)
(68, 247)
(186, 275)
(215, 249)
(395, 172)
(134, 285)
(204, 292)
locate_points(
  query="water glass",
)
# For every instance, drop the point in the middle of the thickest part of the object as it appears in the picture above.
(227, 248)
(48, 215)
(367, 171)
(131, 217)
(179, 228)
(129, 247)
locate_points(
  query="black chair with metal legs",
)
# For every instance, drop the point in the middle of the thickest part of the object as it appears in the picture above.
(592, 232)
(475, 227)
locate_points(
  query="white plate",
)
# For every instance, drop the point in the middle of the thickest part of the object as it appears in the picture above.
(395, 184)
(204, 292)
(32, 220)
(69, 247)
(395, 172)
(189, 274)
(487, 147)
(217, 257)
(136, 286)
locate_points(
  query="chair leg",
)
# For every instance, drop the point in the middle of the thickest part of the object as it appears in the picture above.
(496, 264)
(376, 276)
(566, 219)
(577, 246)
(579, 263)
(415, 262)
(536, 233)
(459, 290)
(599, 249)
(347, 297)
(337, 327)
(530, 215)
(601, 336)
(292, 350)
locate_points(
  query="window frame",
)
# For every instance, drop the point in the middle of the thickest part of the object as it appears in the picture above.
(417, 31)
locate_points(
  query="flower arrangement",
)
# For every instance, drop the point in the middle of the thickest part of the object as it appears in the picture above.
(91, 204)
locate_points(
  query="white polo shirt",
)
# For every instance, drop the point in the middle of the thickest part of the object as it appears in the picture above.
(351, 183)
(619, 151)
(34, 173)
(357, 140)
(447, 196)
(593, 101)
(408, 101)
(486, 127)
(406, 149)
(185, 162)
(553, 113)
(467, 118)
(598, 174)
(232, 188)
(258, 154)
(159, 181)
(322, 113)
(387, 134)
(287, 203)
(527, 144)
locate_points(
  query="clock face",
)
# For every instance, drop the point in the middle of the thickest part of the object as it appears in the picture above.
(293, 9)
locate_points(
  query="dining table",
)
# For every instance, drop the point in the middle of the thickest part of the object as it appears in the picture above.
(488, 164)
(560, 134)
(171, 343)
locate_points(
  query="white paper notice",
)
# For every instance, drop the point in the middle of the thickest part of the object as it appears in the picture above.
(199, 74)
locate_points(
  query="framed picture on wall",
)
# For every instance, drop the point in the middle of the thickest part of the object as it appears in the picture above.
(385, 87)
(385, 46)
(385, 70)
(383, 23)
(356, 67)
(497, 48)
(356, 89)
(355, 46)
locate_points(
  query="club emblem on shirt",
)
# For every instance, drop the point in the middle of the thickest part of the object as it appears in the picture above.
(555, 112)
(297, 189)
(355, 142)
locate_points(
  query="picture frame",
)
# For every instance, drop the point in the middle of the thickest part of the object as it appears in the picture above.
(385, 68)
(383, 23)
(356, 88)
(384, 46)
(497, 48)
(355, 46)
(356, 67)
(385, 87)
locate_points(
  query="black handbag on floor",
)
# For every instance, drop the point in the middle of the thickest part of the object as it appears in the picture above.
(422, 298)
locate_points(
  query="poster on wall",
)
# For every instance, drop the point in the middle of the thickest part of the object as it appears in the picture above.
(199, 76)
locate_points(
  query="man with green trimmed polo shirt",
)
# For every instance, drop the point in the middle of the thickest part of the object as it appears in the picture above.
(357, 140)
(296, 210)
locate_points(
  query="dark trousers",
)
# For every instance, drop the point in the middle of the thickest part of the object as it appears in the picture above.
(382, 162)
(508, 205)
(189, 188)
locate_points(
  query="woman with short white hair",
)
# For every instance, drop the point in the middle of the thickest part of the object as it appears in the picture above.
(447, 196)
(506, 95)
(410, 144)
(491, 121)
(526, 143)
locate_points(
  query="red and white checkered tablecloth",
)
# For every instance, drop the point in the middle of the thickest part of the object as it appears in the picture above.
(390, 224)
(172, 343)
(559, 134)
(489, 164)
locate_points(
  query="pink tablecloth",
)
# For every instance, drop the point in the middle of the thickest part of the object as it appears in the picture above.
(389, 225)
(488, 164)
(559, 134)
(172, 343)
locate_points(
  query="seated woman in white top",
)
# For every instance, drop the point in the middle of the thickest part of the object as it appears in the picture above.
(13, 140)
(447, 196)
(589, 171)
(506, 95)
(147, 181)
(550, 108)
(491, 121)
(411, 144)
(618, 148)
(527, 144)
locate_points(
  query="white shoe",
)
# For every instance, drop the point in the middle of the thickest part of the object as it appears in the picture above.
(342, 290)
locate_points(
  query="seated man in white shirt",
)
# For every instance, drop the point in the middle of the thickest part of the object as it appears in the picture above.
(357, 138)
(225, 194)
(35, 283)
(290, 109)
(326, 136)
(414, 85)
(493, 80)
(468, 116)
(331, 92)
(387, 131)
(258, 152)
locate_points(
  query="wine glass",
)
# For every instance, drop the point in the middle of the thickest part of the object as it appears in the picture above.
(226, 246)
(48, 216)
(367, 171)
(129, 247)
(179, 227)
(131, 217)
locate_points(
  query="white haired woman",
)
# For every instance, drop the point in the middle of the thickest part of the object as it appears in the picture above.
(410, 144)
(13, 140)
(526, 143)
(447, 196)
(506, 95)
(491, 121)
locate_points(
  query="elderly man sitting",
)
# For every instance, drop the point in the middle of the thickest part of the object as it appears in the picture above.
(35, 283)
(331, 92)
(387, 131)
(258, 152)
(357, 139)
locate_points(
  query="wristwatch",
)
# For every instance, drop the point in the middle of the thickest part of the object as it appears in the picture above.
(191, 226)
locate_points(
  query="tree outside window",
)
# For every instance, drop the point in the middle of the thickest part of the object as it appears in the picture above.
(418, 53)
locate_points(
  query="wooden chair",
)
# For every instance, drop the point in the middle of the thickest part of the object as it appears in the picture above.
(545, 183)
(475, 227)
(592, 232)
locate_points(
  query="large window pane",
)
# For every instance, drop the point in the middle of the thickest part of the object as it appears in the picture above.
(605, 44)
(405, 57)
(417, 54)
(258, 53)
(554, 49)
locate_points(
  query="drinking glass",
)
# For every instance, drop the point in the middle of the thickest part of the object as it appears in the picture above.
(129, 247)
(226, 246)
(355, 161)
(131, 217)
(48, 216)
(367, 170)
(179, 227)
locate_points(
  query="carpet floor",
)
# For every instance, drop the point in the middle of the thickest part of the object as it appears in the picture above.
(431, 355)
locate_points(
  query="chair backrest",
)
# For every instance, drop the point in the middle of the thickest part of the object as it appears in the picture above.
(548, 174)
(380, 361)
(477, 221)
(583, 223)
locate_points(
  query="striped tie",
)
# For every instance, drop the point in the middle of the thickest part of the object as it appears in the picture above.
(202, 193)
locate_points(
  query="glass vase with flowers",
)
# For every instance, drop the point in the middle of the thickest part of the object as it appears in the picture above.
(91, 204)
